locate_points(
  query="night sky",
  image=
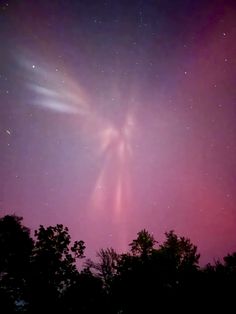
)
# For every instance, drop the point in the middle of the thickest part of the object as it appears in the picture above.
(120, 115)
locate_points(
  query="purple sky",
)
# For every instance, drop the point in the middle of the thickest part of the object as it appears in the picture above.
(120, 115)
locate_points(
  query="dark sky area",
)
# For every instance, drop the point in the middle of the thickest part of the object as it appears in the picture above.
(120, 115)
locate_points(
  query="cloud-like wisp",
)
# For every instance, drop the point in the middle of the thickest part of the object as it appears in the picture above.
(114, 142)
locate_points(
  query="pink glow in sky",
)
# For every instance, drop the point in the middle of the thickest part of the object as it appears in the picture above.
(120, 116)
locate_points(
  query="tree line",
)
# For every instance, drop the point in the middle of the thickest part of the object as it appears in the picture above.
(39, 275)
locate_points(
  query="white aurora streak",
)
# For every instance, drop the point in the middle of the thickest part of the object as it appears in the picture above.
(113, 142)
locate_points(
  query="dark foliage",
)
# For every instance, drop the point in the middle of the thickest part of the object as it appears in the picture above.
(40, 275)
(15, 252)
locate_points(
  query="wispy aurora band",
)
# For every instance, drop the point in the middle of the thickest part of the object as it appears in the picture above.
(114, 141)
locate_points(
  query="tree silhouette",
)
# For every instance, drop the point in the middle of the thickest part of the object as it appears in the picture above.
(179, 264)
(53, 266)
(131, 290)
(143, 245)
(219, 284)
(41, 275)
(15, 251)
(106, 267)
(180, 250)
(148, 272)
(84, 295)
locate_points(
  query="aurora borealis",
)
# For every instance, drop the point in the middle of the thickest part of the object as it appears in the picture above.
(120, 115)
